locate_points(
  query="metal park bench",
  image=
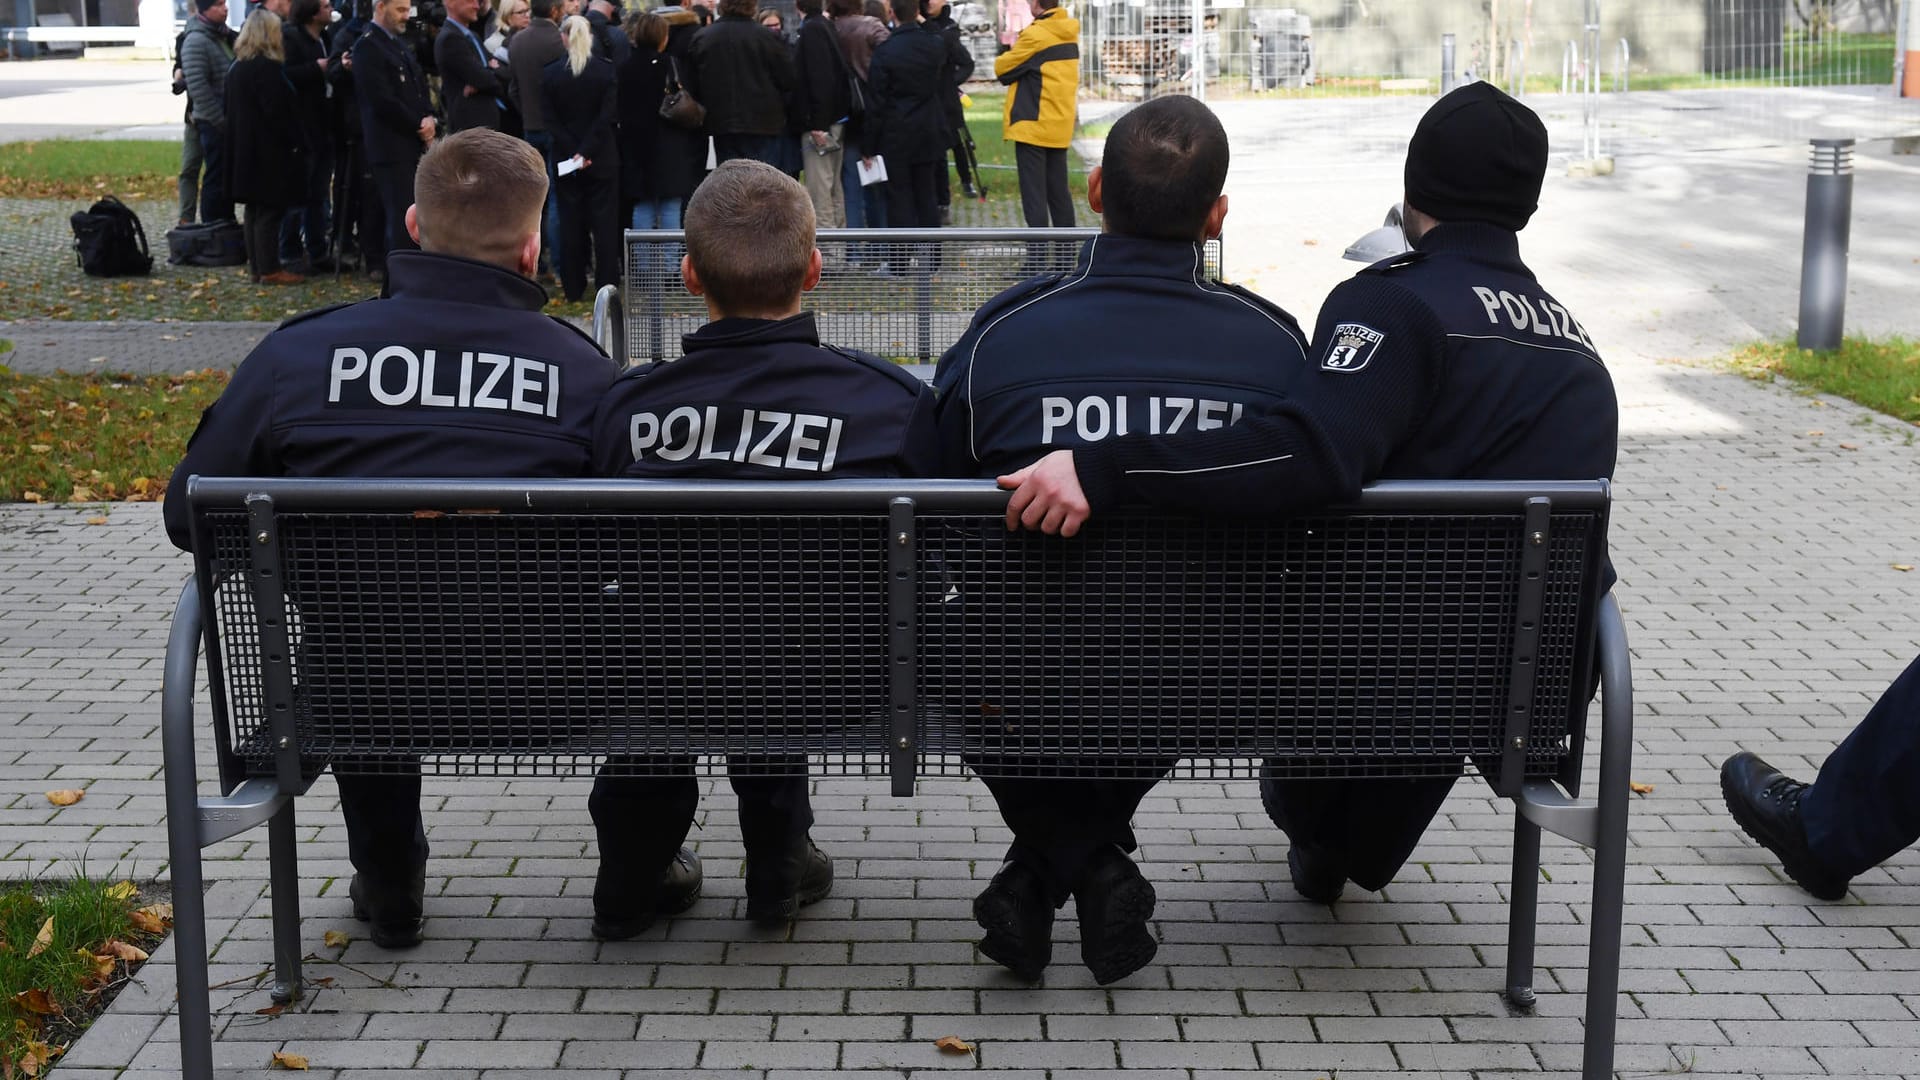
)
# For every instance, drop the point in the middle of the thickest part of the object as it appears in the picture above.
(890, 629)
(935, 280)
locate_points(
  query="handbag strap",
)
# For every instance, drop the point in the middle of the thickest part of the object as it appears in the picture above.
(673, 75)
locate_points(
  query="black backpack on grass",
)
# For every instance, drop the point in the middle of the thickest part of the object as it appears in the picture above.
(109, 242)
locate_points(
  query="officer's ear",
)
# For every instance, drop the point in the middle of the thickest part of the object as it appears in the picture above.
(413, 222)
(530, 254)
(1216, 218)
(692, 279)
(813, 272)
(1094, 198)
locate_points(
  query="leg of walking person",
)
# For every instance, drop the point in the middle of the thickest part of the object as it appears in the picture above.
(191, 158)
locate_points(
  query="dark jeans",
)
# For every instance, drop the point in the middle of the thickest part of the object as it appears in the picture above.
(640, 821)
(1043, 186)
(1370, 825)
(214, 203)
(1058, 824)
(1865, 806)
(307, 225)
(393, 185)
(262, 234)
(590, 223)
(778, 151)
(550, 221)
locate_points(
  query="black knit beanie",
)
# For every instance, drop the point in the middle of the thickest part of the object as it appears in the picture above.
(1478, 155)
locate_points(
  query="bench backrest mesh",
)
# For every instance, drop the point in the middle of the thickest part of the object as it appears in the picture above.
(536, 642)
(934, 280)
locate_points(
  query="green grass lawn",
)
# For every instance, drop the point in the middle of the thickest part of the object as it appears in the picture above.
(1882, 375)
(65, 948)
(996, 154)
(86, 168)
(98, 436)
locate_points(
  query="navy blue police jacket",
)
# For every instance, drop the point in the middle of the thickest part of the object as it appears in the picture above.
(1134, 341)
(1447, 362)
(452, 372)
(762, 399)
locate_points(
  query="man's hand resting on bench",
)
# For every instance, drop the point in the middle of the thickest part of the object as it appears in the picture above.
(1047, 496)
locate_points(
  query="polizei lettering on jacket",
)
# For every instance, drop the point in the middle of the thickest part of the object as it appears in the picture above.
(801, 442)
(1092, 419)
(403, 376)
(1531, 314)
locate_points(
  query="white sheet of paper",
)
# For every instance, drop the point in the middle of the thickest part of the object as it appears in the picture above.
(570, 166)
(872, 174)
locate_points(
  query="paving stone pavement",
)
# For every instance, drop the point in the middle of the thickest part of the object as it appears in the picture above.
(1756, 535)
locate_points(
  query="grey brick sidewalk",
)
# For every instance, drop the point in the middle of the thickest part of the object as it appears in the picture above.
(1756, 565)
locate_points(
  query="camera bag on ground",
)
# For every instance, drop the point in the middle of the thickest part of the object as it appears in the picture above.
(108, 240)
(210, 243)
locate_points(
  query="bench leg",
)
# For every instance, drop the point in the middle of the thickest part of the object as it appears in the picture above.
(1610, 854)
(183, 839)
(284, 884)
(1523, 912)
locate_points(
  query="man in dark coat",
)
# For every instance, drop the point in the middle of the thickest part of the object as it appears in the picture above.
(309, 67)
(396, 116)
(472, 85)
(743, 75)
(911, 78)
(938, 17)
(821, 105)
(528, 55)
(609, 40)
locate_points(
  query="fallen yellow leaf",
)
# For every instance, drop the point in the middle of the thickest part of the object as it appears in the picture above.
(283, 1060)
(37, 1001)
(121, 891)
(132, 954)
(1849, 446)
(1902, 567)
(1816, 432)
(102, 965)
(39, 448)
(147, 922)
(1640, 788)
(66, 796)
(97, 520)
(953, 1044)
(336, 939)
(81, 493)
(42, 939)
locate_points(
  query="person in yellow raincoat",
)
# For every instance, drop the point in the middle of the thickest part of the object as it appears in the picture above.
(1042, 76)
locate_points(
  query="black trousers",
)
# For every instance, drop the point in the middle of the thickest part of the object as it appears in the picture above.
(1058, 824)
(386, 838)
(641, 821)
(1865, 806)
(590, 225)
(1043, 186)
(393, 185)
(1371, 825)
(913, 199)
(262, 234)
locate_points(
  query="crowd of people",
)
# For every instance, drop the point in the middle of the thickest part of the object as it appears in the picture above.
(315, 119)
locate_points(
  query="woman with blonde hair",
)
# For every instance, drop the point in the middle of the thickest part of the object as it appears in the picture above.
(578, 98)
(267, 146)
(514, 16)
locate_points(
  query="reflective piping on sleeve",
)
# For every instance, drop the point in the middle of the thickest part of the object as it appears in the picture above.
(1210, 468)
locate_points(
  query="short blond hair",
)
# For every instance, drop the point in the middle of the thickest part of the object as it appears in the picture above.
(260, 36)
(750, 237)
(486, 189)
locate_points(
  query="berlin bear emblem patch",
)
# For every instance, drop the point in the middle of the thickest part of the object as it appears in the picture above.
(1353, 346)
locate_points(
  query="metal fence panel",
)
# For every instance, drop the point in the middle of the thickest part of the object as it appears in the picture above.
(903, 294)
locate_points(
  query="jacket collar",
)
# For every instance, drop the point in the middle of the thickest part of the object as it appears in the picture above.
(733, 333)
(1108, 255)
(1476, 240)
(425, 275)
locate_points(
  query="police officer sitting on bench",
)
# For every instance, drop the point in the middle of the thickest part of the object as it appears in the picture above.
(755, 397)
(324, 395)
(1447, 362)
(1134, 339)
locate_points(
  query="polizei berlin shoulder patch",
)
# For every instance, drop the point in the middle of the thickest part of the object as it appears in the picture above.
(1353, 346)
